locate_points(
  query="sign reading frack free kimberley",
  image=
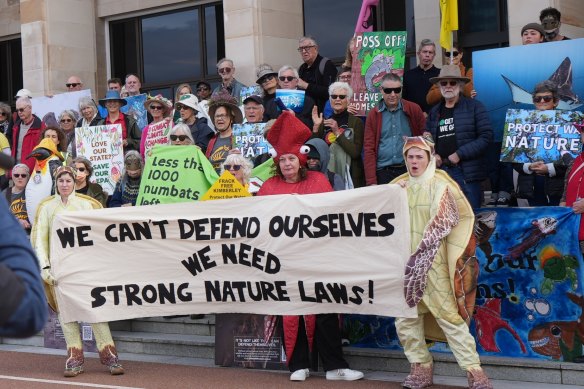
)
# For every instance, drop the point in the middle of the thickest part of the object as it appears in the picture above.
(285, 254)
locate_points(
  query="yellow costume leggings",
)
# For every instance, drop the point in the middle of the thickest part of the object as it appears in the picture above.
(461, 342)
(103, 338)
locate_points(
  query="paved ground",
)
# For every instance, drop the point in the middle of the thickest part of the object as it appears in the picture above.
(31, 370)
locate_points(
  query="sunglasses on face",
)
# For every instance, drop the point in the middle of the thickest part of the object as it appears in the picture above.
(225, 70)
(66, 120)
(232, 167)
(340, 97)
(181, 107)
(446, 83)
(3, 114)
(539, 99)
(16, 175)
(72, 85)
(454, 54)
(267, 78)
(156, 107)
(21, 109)
(287, 78)
(178, 137)
(388, 91)
(305, 48)
(81, 169)
(202, 89)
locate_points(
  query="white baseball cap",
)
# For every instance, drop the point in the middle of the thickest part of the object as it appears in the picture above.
(23, 93)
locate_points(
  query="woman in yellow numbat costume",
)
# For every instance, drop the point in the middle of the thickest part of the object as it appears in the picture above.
(66, 200)
(440, 276)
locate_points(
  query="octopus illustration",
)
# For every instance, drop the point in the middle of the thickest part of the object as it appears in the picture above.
(540, 228)
(488, 322)
(380, 66)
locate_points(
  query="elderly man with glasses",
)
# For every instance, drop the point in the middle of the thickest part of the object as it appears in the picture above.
(386, 125)
(226, 71)
(74, 84)
(462, 132)
(25, 132)
(316, 73)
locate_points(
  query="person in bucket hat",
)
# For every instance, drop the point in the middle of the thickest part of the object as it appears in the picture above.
(224, 113)
(189, 108)
(131, 134)
(462, 131)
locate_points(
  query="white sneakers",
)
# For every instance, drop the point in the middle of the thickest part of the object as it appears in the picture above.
(344, 375)
(299, 375)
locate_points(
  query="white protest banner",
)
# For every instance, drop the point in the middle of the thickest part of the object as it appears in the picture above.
(287, 254)
(102, 146)
(56, 104)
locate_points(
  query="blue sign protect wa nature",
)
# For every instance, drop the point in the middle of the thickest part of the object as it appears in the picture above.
(134, 107)
(249, 139)
(292, 98)
(530, 287)
(502, 79)
(547, 136)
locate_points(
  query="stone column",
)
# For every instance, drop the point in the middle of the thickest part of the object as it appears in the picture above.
(58, 41)
(262, 31)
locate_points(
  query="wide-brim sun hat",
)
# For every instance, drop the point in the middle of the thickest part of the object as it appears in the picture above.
(112, 95)
(188, 100)
(166, 103)
(224, 99)
(449, 72)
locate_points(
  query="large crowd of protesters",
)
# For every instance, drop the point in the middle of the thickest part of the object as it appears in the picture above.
(346, 152)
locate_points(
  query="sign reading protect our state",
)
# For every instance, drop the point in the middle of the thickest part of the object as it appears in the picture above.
(286, 254)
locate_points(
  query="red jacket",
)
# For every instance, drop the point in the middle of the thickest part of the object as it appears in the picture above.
(31, 139)
(373, 123)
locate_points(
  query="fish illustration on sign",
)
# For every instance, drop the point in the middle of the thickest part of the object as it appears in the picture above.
(562, 77)
(560, 339)
(540, 228)
(488, 322)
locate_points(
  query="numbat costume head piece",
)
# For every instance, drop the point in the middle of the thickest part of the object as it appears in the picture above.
(287, 136)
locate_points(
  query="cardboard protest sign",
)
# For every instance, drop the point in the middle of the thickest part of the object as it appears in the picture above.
(249, 139)
(226, 187)
(333, 252)
(102, 146)
(175, 174)
(548, 136)
(374, 54)
(292, 98)
(157, 134)
(49, 108)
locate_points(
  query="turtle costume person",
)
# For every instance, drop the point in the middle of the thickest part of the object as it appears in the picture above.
(441, 273)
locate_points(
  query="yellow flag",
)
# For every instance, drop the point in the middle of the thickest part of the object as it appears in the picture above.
(449, 10)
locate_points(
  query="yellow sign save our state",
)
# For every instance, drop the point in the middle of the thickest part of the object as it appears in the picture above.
(226, 187)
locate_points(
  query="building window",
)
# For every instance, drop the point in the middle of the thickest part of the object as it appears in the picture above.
(10, 69)
(483, 25)
(332, 24)
(170, 48)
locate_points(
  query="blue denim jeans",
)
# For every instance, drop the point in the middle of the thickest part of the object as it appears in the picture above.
(472, 190)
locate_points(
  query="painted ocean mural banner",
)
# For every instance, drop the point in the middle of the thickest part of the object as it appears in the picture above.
(530, 300)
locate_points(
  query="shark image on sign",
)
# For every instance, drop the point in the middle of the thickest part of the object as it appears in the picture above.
(562, 77)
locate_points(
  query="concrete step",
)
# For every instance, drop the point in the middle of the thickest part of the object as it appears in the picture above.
(178, 325)
(178, 345)
(37, 340)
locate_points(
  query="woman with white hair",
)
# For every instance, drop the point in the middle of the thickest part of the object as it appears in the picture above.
(344, 133)
(239, 167)
(89, 117)
(180, 135)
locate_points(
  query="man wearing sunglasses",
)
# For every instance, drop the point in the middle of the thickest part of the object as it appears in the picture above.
(387, 123)
(462, 131)
(25, 132)
(226, 71)
(316, 73)
(73, 84)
